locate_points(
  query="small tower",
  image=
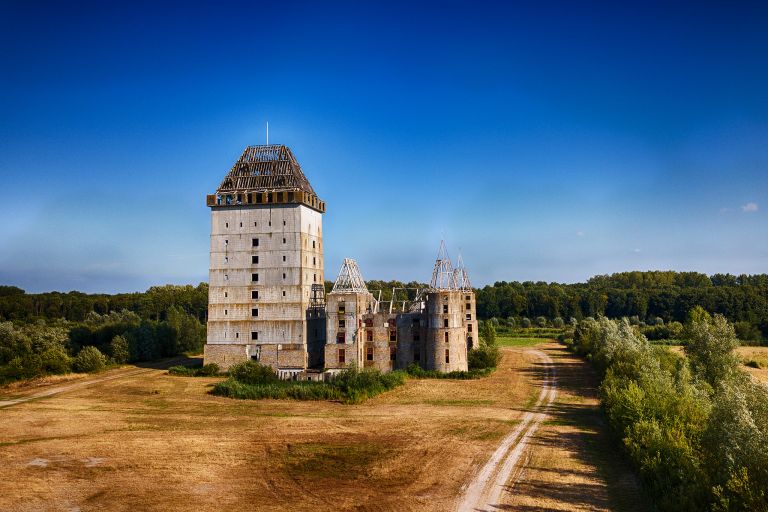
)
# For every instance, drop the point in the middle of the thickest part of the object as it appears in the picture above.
(266, 264)
(446, 342)
(348, 301)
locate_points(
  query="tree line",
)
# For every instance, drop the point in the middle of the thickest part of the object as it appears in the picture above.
(55, 333)
(695, 426)
(649, 298)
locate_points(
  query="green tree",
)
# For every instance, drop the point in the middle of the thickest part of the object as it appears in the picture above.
(119, 350)
(89, 360)
(710, 345)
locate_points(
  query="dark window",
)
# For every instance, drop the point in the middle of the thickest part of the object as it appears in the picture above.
(416, 354)
(340, 337)
(342, 308)
(445, 322)
(392, 335)
(447, 356)
(469, 327)
(254, 312)
(313, 244)
(393, 353)
(225, 311)
(283, 258)
(469, 306)
(254, 294)
(226, 225)
(445, 308)
(283, 275)
(254, 335)
(283, 240)
(255, 277)
(446, 337)
(469, 317)
(342, 356)
(283, 223)
(368, 335)
(369, 322)
(469, 343)
(241, 224)
(467, 297)
(254, 260)
(290, 196)
(416, 336)
(279, 197)
(254, 242)
(314, 277)
(314, 261)
(369, 353)
(341, 324)
(269, 197)
(283, 293)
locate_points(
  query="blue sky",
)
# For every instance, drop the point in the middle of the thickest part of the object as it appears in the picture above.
(547, 141)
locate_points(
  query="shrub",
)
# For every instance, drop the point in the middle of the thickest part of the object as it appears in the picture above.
(89, 360)
(251, 372)
(525, 322)
(207, 370)
(56, 361)
(251, 380)
(484, 356)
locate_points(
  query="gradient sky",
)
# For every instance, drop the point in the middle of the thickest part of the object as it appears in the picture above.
(548, 141)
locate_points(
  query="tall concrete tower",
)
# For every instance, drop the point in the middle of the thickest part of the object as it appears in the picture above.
(266, 279)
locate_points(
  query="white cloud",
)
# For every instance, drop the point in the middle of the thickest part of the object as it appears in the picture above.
(749, 208)
(579, 233)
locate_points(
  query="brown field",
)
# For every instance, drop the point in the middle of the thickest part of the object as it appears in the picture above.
(144, 440)
(757, 355)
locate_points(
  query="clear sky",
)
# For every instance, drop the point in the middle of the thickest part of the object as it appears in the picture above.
(548, 141)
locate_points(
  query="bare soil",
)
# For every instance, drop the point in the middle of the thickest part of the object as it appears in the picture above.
(150, 441)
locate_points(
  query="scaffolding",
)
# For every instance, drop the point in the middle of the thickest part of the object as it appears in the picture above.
(443, 276)
(350, 279)
(265, 168)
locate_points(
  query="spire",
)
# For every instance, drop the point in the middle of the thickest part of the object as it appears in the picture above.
(350, 279)
(443, 276)
(462, 277)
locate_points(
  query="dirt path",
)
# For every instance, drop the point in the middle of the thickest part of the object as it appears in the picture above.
(485, 490)
(121, 373)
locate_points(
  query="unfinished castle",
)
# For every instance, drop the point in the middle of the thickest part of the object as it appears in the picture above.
(267, 299)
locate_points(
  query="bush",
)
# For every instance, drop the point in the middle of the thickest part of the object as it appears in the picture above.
(56, 361)
(251, 372)
(89, 360)
(483, 357)
(525, 322)
(251, 380)
(208, 370)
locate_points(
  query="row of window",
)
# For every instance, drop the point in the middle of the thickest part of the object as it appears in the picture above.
(255, 224)
(255, 242)
(255, 277)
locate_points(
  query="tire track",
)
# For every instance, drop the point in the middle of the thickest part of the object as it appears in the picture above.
(485, 490)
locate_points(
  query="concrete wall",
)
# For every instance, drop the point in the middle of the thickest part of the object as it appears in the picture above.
(290, 261)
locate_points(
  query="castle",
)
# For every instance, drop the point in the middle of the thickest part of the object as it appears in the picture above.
(267, 299)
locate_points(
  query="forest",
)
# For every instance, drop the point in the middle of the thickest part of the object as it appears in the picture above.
(56, 333)
(46, 332)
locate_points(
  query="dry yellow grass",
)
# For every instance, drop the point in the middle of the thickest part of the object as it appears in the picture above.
(157, 442)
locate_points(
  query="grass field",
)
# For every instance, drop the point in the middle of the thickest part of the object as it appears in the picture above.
(515, 341)
(160, 442)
